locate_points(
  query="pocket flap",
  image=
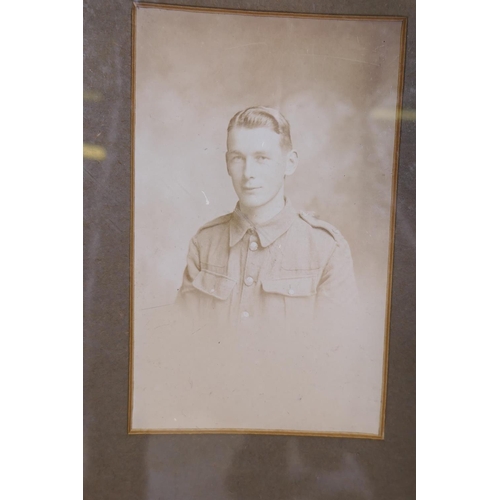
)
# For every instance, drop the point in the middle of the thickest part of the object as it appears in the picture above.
(214, 284)
(292, 287)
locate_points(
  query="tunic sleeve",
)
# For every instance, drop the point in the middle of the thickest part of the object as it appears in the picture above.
(337, 307)
(337, 286)
(187, 297)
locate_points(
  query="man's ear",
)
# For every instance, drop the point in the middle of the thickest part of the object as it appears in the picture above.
(227, 163)
(292, 162)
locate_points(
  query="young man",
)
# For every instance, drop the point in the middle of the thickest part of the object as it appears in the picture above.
(265, 266)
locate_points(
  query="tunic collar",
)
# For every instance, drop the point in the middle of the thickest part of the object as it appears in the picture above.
(268, 232)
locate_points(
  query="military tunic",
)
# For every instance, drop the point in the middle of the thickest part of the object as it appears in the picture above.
(281, 275)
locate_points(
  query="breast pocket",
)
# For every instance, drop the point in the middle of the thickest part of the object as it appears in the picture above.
(213, 284)
(299, 287)
(212, 267)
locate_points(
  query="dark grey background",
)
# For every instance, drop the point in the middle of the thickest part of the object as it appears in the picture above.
(120, 466)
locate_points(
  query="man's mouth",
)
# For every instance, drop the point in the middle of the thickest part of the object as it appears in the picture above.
(250, 188)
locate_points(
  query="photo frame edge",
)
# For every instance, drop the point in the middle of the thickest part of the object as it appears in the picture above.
(396, 155)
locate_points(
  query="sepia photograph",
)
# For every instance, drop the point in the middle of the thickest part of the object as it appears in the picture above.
(265, 152)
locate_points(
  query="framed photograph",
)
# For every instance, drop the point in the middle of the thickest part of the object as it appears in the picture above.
(265, 154)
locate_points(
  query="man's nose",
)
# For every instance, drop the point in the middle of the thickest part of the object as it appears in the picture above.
(249, 168)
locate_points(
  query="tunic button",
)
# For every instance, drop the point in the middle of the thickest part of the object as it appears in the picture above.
(245, 314)
(248, 281)
(291, 291)
(253, 246)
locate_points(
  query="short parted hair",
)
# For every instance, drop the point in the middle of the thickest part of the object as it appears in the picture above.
(262, 116)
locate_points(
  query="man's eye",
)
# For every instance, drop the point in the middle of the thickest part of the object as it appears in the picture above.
(261, 158)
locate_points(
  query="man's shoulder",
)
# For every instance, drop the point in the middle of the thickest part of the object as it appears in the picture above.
(215, 225)
(320, 228)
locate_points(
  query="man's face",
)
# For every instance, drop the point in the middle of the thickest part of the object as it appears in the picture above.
(257, 164)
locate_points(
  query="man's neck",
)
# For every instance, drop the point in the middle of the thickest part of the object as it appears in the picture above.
(260, 215)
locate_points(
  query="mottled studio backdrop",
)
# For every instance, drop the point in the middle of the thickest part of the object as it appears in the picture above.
(334, 80)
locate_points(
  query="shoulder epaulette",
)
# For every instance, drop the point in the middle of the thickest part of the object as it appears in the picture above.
(314, 222)
(215, 222)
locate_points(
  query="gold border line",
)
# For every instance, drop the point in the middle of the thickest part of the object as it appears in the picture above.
(273, 432)
(265, 13)
(132, 226)
(397, 141)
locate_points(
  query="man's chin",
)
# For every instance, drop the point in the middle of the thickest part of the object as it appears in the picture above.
(249, 201)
